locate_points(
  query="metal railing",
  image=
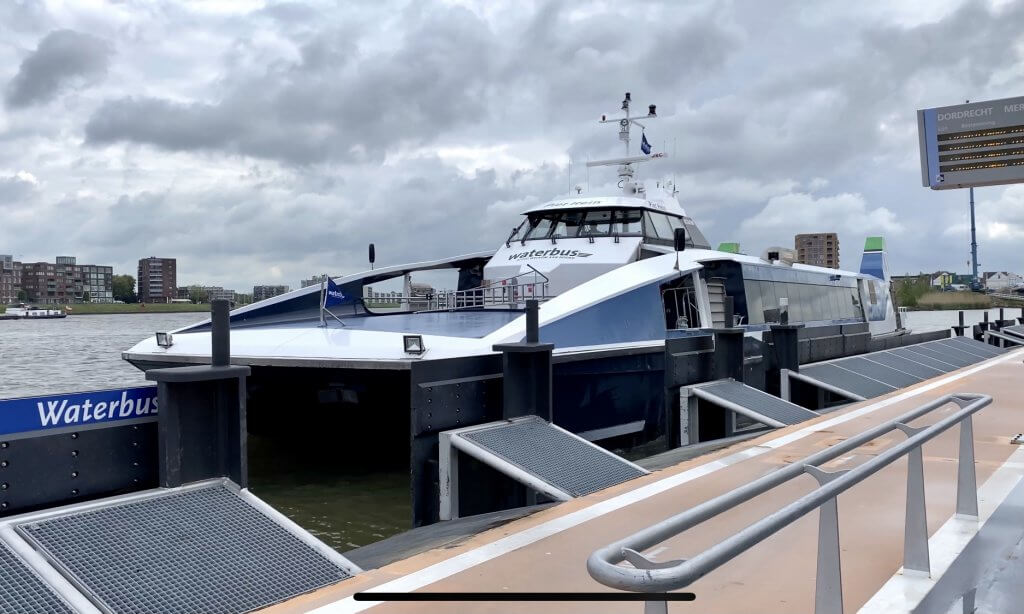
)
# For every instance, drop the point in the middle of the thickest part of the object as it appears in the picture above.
(508, 291)
(651, 576)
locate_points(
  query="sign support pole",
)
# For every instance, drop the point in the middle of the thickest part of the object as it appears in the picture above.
(974, 247)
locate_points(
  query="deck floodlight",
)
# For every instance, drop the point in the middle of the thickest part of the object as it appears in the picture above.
(413, 344)
(164, 340)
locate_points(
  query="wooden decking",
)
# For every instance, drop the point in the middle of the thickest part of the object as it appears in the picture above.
(547, 551)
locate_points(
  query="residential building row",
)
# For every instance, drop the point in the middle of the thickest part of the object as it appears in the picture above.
(52, 283)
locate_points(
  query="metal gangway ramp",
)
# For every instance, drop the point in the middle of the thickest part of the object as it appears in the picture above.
(534, 452)
(751, 402)
(874, 374)
(1008, 336)
(204, 547)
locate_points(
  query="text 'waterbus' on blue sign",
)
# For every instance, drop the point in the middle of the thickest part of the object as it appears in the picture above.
(76, 409)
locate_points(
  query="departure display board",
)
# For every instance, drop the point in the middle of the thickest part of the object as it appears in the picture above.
(974, 144)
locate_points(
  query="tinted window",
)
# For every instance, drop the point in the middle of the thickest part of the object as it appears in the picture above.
(568, 224)
(540, 225)
(755, 306)
(596, 223)
(658, 226)
(628, 222)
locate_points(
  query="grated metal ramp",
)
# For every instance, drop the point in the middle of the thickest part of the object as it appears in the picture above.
(534, 452)
(570, 463)
(22, 591)
(757, 404)
(203, 548)
(877, 373)
(1016, 330)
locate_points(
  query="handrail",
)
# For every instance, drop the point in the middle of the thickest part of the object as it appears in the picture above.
(651, 576)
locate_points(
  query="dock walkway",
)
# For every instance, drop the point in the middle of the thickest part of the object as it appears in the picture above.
(548, 550)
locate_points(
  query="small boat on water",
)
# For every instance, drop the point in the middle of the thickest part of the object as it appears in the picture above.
(23, 311)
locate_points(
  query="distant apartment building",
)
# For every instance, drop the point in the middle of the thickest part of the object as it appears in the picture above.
(158, 280)
(818, 249)
(260, 293)
(63, 281)
(10, 279)
(184, 292)
(315, 280)
(216, 292)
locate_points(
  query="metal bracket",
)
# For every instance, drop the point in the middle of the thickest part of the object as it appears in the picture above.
(828, 581)
(966, 477)
(640, 561)
(916, 557)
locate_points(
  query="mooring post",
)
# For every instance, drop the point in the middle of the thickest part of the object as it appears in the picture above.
(1020, 320)
(960, 327)
(201, 428)
(526, 367)
(786, 355)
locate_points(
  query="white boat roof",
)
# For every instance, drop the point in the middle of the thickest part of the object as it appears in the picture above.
(660, 204)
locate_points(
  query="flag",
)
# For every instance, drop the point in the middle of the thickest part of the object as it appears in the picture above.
(644, 145)
(334, 295)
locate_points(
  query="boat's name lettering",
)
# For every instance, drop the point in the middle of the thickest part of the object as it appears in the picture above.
(59, 412)
(77, 409)
(549, 253)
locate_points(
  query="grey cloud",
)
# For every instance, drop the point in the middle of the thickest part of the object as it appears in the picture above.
(14, 190)
(62, 57)
(331, 105)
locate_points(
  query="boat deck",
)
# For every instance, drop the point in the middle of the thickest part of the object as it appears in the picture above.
(547, 551)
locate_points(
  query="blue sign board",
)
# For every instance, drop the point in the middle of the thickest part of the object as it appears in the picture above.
(76, 409)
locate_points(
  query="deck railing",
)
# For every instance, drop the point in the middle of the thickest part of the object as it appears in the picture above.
(651, 576)
(502, 292)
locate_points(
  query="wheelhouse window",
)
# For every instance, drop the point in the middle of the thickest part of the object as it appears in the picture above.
(568, 225)
(628, 222)
(596, 223)
(580, 223)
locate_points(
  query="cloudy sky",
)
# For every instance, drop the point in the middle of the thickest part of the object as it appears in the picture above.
(261, 142)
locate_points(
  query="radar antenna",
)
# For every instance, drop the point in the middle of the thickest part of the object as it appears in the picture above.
(625, 164)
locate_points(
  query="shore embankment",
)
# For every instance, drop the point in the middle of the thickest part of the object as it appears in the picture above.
(932, 301)
(85, 309)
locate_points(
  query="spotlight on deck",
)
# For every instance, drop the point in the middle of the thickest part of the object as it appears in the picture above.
(164, 340)
(413, 344)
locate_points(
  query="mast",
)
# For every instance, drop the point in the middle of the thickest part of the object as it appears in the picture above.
(625, 164)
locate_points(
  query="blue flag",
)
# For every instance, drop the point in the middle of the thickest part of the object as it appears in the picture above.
(644, 145)
(334, 294)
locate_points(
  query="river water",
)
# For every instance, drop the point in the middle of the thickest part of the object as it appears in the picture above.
(84, 353)
(39, 357)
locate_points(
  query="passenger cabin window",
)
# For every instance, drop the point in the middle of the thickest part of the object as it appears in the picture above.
(813, 296)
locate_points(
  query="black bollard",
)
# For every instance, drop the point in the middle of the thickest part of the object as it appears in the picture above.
(526, 367)
(201, 429)
(959, 329)
(220, 335)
